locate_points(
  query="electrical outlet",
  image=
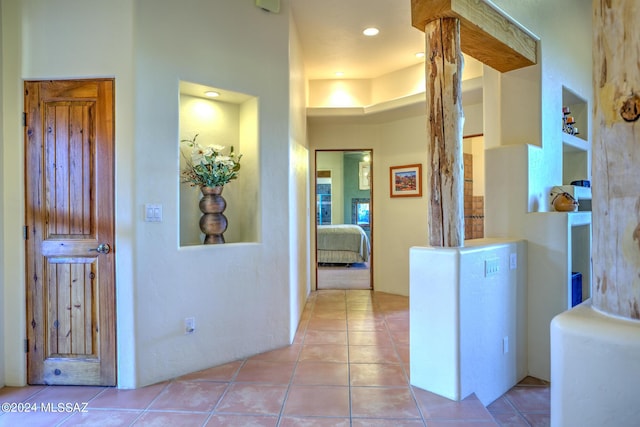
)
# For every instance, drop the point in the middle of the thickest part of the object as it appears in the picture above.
(491, 267)
(505, 345)
(189, 325)
(513, 261)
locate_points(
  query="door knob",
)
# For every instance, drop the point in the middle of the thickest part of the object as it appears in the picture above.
(103, 248)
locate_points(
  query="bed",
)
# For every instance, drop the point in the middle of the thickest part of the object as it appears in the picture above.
(342, 244)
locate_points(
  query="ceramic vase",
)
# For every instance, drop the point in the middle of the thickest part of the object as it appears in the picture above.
(213, 223)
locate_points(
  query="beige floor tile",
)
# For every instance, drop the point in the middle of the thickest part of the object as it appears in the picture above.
(377, 374)
(139, 398)
(242, 421)
(189, 396)
(383, 402)
(314, 422)
(321, 373)
(256, 399)
(266, 371)
(348, 367)
(224, 372)
(324, 353)
(326, 337)
(153, 419)
(324, 401)
(372, 354)
(101, 418)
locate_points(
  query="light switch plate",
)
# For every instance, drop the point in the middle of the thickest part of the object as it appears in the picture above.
(491, 267)
(152, 212)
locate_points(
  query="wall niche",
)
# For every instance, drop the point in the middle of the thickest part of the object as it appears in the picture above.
(227, 119)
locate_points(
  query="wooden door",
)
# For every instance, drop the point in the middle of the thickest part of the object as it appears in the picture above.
(70, 232)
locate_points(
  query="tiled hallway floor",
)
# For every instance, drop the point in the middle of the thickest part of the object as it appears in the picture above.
(348, 366)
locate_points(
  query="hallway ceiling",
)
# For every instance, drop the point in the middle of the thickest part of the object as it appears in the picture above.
(330, 32)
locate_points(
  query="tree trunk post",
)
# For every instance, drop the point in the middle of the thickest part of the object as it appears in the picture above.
(444, 172)
(616, 158)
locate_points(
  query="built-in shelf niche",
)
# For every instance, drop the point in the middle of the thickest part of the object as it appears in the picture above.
(576, 149)
(579, 110)
(230, 119)
(581, 256)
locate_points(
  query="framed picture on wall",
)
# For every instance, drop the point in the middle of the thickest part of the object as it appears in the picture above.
(364, 171)
(406, 181)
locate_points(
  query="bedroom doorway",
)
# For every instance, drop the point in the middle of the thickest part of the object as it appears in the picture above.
(344, 213)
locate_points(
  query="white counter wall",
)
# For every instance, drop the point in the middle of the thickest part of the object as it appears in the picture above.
(468, 327)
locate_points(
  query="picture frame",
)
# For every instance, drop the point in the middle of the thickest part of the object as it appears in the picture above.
(364, 174)
(406, 180)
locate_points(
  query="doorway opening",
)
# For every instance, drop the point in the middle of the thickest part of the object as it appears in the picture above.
(473, 151)
(344, 214)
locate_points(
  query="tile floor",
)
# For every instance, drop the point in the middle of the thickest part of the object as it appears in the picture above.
(348, 366)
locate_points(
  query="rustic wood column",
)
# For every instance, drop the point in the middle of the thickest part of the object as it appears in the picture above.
(488, 35)
(616, 158)
(444, 172)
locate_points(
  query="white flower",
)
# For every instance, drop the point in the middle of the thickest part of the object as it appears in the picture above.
(207, 166)
(198, 156)
(223, 159)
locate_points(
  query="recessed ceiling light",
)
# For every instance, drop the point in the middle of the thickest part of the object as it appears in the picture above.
(339, 73)
(212, 94)
(420, 55)
(371, 31)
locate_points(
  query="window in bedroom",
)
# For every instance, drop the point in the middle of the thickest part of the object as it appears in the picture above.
(323, 194)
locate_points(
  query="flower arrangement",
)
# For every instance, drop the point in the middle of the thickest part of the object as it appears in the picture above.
(206, 166)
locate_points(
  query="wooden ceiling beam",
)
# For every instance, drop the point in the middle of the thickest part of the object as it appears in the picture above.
(486, 34)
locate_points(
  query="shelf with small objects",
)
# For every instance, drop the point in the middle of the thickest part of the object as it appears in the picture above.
(576, 149)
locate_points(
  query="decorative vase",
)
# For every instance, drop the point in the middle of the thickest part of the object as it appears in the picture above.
(213, 223)
(564, 202)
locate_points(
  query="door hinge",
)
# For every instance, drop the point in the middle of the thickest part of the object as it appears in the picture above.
(25, 232)
(26, 345)
(24, 119)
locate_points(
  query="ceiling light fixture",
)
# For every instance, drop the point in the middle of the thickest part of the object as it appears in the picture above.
(419, 54)
(339, 73)
(212, 94)
(371, 31)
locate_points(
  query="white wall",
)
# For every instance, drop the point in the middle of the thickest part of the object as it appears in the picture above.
(523, 112)
(398, 223)
(393, 143)
(239, 294)
(525, 106)
(41, 41)
(2, 180)
(339, 93)
(299, 184)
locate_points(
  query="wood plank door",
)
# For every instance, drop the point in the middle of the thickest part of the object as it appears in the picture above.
(70, 232)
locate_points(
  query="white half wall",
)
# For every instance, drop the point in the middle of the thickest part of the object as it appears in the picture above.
(467, 325)
(595, 369)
